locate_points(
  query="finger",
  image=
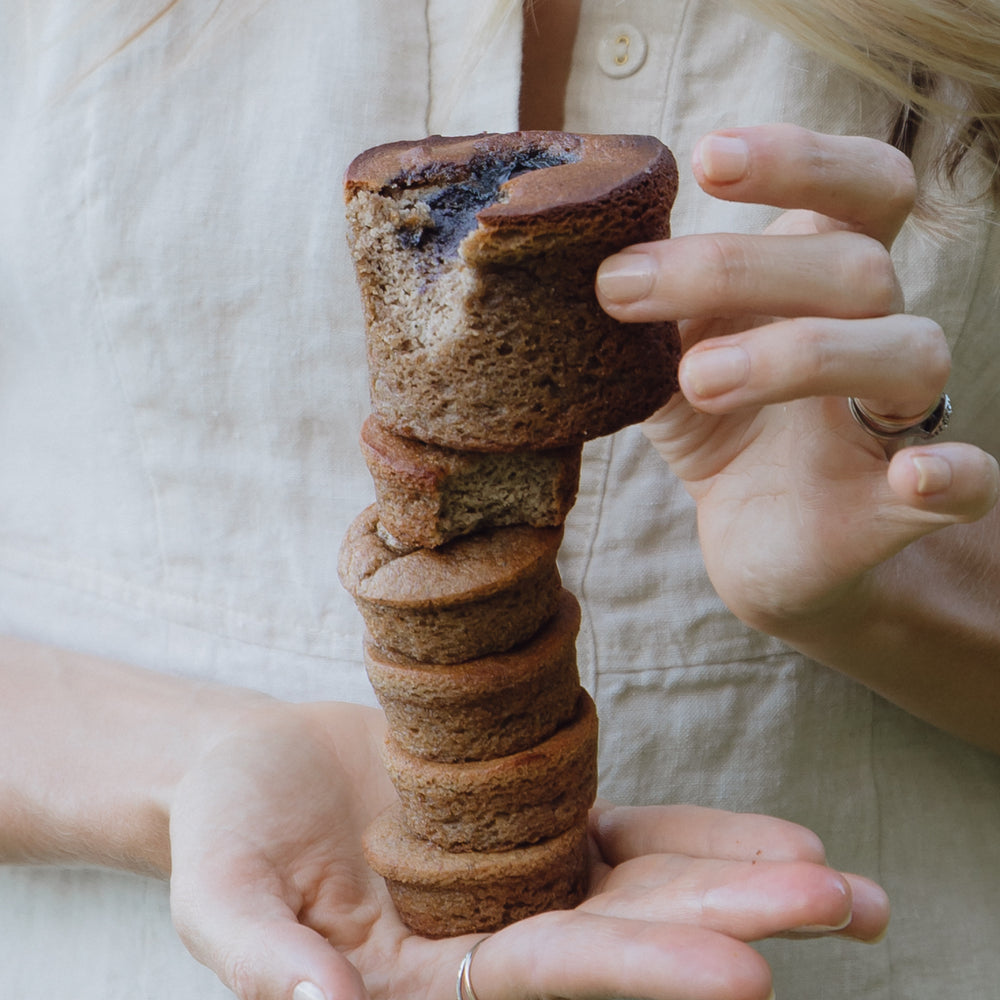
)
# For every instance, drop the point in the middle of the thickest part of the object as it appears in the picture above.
(626, 832)
(960, 484)
(897, 364)
(870, 911)
(585, 956)
(869, 919)
(255, 944)
(748, 900)
(842, 274)
(864, 184)
(945, 483)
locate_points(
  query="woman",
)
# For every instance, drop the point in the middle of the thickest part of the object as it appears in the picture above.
(178, 430)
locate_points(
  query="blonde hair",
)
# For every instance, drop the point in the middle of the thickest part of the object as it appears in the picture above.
(939, 58)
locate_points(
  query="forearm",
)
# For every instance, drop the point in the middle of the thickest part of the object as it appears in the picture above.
(91, 752)
(924, 631)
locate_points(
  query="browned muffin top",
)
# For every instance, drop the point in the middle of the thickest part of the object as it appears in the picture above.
(470, 568)
(509, 182)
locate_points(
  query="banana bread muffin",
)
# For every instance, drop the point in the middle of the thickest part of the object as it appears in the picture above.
(476, 595)
(488, 707)
(494, 805)
(476, 258)
(442, 894)
(427, 495)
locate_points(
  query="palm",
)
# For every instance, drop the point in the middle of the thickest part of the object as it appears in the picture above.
(272, 820)
(791, 497)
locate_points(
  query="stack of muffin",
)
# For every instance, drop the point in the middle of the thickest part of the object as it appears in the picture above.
(490, 364)
(470, 648)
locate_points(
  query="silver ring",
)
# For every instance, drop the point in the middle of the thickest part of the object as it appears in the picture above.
(926, 426)
(463, 988)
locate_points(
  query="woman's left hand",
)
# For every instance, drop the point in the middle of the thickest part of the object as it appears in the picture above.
(796, 503)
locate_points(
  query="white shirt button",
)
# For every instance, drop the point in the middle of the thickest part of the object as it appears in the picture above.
(621, 51)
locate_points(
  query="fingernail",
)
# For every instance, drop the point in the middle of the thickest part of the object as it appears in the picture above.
(824, 928)
(307, 991)
(626, 277)
(716, 370)
(933, 474)
(723, 158)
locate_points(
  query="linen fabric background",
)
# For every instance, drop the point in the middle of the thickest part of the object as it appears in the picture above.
(182, 384)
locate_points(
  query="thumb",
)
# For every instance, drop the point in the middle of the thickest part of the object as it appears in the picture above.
(945, 484)
(258, 948)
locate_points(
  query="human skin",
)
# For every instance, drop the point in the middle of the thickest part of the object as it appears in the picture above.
(884, 565)
(871, 564)
(254, 809)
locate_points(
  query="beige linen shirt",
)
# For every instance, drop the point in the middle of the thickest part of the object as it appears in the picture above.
(182, 384)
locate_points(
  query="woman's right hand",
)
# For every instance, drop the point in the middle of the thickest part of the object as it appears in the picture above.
(255, 809)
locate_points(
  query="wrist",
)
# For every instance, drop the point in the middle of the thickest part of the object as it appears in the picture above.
(95, 750)
(921, 630)
(192, 722)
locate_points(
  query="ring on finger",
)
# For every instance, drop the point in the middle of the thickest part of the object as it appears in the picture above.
(463, 987)
(929, 424)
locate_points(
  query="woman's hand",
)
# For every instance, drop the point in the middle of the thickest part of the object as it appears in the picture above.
(800, 511)
(795, 501)
(270, 889)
